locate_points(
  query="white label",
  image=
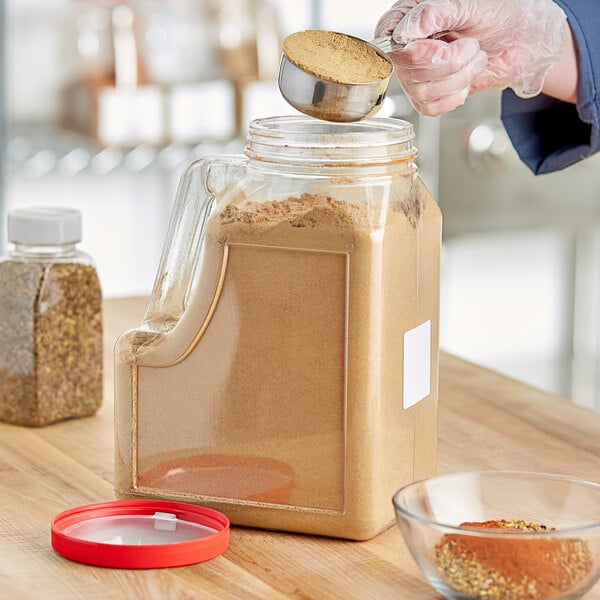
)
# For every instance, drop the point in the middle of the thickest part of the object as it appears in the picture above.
(417, 364)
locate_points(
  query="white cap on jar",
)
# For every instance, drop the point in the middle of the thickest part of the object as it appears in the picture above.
(44, 226)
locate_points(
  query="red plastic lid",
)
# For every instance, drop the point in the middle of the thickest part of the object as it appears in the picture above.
(140, 534)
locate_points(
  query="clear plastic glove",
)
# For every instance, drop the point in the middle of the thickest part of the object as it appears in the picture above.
(489, 44)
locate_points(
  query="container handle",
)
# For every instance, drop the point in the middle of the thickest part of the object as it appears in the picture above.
(199, 186)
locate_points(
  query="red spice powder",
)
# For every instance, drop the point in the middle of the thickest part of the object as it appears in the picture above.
(499, 568)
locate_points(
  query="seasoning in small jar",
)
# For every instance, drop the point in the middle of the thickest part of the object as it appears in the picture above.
(50, 321)
(512, 568)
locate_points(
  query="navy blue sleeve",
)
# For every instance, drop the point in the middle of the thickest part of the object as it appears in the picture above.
(549, 134)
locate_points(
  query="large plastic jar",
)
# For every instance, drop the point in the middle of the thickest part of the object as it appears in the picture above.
(50, 320)
(286, 370)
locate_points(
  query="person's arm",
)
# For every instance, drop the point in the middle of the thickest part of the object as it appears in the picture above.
(550, 132)
(562, 79)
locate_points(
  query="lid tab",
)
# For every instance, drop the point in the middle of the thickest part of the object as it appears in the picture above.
(165, 521)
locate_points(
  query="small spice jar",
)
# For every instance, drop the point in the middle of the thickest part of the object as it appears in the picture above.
(50, 320)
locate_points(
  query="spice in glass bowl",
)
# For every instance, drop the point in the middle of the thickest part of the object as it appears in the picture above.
(501, 568)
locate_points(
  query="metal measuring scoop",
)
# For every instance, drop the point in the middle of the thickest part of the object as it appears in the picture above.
(333, 101)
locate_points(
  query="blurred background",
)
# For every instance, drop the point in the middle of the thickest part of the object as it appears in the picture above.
(103, 104)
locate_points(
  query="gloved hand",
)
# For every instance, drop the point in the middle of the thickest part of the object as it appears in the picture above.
(488, 44)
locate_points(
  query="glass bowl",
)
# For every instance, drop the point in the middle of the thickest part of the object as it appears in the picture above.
(503, 535)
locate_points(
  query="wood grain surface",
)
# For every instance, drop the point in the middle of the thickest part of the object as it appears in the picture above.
(487, 421)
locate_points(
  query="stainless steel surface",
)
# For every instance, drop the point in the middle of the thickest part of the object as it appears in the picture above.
(484, 186)
(487, 195)
(330, 100)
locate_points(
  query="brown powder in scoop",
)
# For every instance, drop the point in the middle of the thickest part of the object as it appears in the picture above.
(336, 57)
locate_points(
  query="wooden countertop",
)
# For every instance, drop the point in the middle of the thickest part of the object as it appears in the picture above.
(487, 421)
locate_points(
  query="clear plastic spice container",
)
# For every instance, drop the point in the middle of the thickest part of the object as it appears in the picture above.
(286, 370)
(50, 321)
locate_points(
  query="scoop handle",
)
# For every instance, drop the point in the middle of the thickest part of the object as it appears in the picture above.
(387, 44)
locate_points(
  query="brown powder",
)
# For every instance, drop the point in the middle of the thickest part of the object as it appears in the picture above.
(336, 57)
(50, 342)
(290, 352)
(308, 210)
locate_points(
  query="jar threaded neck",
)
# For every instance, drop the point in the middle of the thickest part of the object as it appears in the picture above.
(303, 140)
